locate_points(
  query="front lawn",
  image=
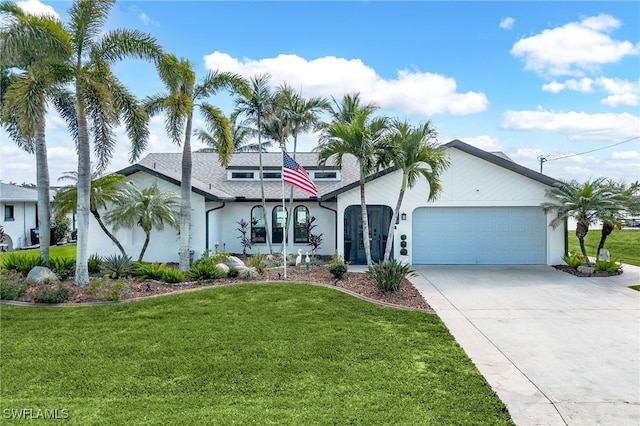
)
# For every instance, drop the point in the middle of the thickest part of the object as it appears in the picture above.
(622, 244)
(246, 354)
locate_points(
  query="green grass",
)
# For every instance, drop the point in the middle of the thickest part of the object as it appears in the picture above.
(635, 287)
(248, 354)
(622, 244)
(68, 251)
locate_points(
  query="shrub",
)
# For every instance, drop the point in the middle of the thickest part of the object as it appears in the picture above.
(151, 271)
(337, 267)
(170, 275)
(573, 260)
(233, 272)
(93, 264)
(118, 265)
(247, 273)
(607, 266)
(107, 289)
(202, 271)
(115, 291)
(10, 286)
(62, 266)
(255, 261)
(51, 293)
(21, 262)
(389, 275)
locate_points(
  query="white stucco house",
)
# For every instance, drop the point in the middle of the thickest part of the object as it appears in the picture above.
(487, 213)
(19, 210)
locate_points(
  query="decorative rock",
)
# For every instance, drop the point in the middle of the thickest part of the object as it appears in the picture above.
(587, 270)
(604, 255)
(235, 262)
(223, 268)
(40, 274)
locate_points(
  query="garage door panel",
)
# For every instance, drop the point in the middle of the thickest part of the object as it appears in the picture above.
(479, 235)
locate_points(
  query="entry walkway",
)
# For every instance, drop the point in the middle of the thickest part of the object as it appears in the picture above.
(557, 349)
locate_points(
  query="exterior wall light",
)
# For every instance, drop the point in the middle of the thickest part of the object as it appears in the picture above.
(403, 216)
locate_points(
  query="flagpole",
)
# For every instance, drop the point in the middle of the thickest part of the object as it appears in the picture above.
(284, 227)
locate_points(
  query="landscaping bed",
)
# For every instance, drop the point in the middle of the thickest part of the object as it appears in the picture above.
(577, 273)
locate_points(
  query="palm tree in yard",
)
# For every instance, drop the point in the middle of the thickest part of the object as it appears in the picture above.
(104, 189)
(624, 197)
(101, 102)
(34, 48)
(414, 151)
(362, 137)
(255, 105)
(586, 203)
(183, 95)
(149, 208)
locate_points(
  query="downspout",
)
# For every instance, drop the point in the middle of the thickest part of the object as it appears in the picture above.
(566, 238)
(206, 220)
(335, 226)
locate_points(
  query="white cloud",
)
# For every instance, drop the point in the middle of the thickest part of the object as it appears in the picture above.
(621, 92)
(626, 155)
(573, 48)
(575, 125)
(484, 142)
(507, 23)
(412, 92)
(34, 7)
(147, 20)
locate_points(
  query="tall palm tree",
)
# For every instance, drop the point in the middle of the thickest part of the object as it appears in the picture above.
(343, 110)
(104, 189)
(255, 104)
(362, 137)
(415, 151)
(148, 208)
(585, 203)
(34, 48)
(240, 134)
(183, 95)
(101, 101)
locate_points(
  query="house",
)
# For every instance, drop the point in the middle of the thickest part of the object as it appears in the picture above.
(19, 207)
(487, 213)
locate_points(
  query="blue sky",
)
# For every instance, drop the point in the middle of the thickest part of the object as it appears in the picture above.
(527, 78)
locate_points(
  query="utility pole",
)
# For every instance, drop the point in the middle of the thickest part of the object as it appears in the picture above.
(542, 159)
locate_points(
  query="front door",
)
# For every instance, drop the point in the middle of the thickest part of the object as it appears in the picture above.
(379, 220)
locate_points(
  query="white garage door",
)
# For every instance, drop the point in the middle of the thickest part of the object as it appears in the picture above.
(479, 236)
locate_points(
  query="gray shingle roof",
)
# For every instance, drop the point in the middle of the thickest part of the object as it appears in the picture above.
(11, 193)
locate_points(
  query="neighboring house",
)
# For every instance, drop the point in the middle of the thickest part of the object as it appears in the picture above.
(19, 210)
(487, 213)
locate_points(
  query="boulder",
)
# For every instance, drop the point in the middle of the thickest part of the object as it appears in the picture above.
(234, 262)
(41, 274)
(604, 255)
(587, 270)
(222, 267)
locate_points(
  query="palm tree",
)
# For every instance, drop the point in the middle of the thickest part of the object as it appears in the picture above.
(101, 101)
(178, 104)
(343, 111)
(624, 197)
(255, 104)
(415, 151)
(104, 189)
(240, 134)
(585, 203)
(35, 47)
(149, 208)
(361, 137)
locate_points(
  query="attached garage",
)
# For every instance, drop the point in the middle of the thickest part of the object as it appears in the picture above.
(479, 236)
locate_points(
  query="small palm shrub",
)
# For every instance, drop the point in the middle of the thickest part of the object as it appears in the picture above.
(337, 267)
(256, 261)
(607, 266)
(51, 293)
(170, 275)
(118, 265)
(94, 263)
(389, 275)
(148, 271)
(573, 260)
(205, 271)
(10, 286)
(21, 262)
(62, 266)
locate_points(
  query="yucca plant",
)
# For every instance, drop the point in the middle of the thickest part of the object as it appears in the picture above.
(118, 265)
(389, 275)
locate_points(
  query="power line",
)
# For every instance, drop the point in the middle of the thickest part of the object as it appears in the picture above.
(544, 158)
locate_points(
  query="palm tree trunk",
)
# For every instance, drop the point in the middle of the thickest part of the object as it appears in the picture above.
(147, 235)
(113, 238)
(581, 232)
(185, 199)
(365, 226)
(264, 202)
(607, 229)
(84, 192)
(44, 203)
(392, 225)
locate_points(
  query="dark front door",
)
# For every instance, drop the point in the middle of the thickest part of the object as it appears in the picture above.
(379, 220)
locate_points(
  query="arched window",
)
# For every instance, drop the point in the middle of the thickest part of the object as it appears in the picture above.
(258, 233)
(278, 219)
(300, 231)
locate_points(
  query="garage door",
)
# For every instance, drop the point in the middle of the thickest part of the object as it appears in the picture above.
(479, 235)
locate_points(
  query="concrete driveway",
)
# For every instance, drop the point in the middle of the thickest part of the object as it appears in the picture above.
(557, 349)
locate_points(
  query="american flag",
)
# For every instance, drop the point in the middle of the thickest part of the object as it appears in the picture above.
(294, 174)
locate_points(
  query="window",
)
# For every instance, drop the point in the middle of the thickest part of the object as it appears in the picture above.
(325, 175)
(258, 233)
(271, 175)
(241, 175)
(300, 232)
(278, 220)
(8, 213)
